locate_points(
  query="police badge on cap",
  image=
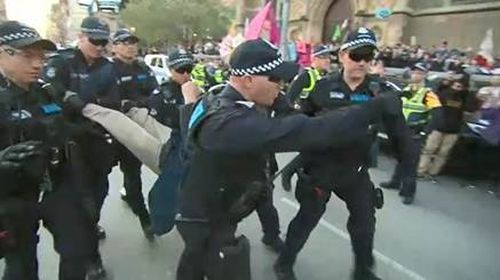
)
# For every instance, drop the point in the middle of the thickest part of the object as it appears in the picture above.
(361, 37)
(18, 35)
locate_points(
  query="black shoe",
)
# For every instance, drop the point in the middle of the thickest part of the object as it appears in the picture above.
(96, 271)
(284, 272)
(274, 243)
(147, 228)
(389, 185)
(101, 233)
(407, 200)
(364, 274)
(286, 183)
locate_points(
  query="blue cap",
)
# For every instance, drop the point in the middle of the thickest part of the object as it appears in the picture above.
(95, 28)
(420, 67)
(180, 58)
(322, 50)
(361, 37)
(18, 35)
(123, 35)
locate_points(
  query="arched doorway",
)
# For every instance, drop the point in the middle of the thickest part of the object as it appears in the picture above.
(338, 11)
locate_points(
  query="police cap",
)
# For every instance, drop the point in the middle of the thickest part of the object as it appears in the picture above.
(18, 35)
(95, 28)
(358, 38)
(124, 35)
(260, 57)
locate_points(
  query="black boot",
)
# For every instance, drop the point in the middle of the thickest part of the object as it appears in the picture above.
(147, 228)
(408, 199)
(364, 273)
(283, 271)
(389, 185)
(96, 270)
(100, 232)
(274, 243)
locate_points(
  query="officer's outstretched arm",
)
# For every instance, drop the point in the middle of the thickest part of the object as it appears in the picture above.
(246, 131)
(142, 144)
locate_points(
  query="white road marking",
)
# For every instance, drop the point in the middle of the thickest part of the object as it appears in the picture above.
(381, 257)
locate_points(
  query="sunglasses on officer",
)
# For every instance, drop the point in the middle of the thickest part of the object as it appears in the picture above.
(184, 69)
(98, 42)
(364, 54)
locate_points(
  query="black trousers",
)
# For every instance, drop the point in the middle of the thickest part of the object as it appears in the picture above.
(202, 245)
(21, 220)
(131, 169)
(65, 215)
(268, 216)
(290, 169)
(406, 180)
(356, 190)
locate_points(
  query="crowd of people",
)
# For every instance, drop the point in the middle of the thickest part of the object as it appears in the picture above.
(66, 122)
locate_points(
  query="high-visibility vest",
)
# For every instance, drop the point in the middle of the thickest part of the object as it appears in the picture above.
(414, 108)
(219, 76)
(314, 76)
(198, 75)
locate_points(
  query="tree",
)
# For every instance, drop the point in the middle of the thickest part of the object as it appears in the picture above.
(176, 20)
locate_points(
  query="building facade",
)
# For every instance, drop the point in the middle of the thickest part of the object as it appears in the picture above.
(463, 23)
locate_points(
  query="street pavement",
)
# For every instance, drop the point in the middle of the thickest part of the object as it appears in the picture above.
(451, 232)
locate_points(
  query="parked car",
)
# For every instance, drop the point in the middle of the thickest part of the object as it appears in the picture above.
(158, 63)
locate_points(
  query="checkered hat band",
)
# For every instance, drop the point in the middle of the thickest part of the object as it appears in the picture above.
(257, 69)
(94, 31)
(184, 60)
(5, 39)
(121, 37)
(358, 42)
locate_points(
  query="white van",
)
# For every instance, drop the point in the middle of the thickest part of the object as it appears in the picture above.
(158, 63)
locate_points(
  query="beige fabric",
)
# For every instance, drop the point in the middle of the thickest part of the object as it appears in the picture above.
(142, 117)
(138, 140)
(436, 151)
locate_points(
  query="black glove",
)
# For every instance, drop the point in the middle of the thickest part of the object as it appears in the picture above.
(73, 104)
(255, 194)
(128, 104)
(13, 157)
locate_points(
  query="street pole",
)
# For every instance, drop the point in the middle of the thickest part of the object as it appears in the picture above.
(285, 15)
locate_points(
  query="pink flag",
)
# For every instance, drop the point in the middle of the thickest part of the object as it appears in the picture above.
(264, 25)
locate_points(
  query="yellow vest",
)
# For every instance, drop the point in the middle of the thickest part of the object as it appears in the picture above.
(414, 108)
(314, 76)
(198, 75)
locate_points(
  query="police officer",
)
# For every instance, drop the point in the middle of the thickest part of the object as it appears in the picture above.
(202, 77)
(136, 83)
(344, 170)
(230, 141)
(35, 155)
(86, 72)
(419, 103)
(300, 89)
(304, 84)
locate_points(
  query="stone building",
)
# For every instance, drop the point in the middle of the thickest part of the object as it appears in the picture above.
(463, 23)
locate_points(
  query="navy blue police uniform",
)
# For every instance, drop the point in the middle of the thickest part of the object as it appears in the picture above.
(343, 170)
(164, 107)
(96, 83)
(35, 115)
(136, 84)
(230, 141)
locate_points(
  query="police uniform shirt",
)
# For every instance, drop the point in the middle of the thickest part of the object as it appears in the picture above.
(164, 104)
(299, 84)
(332, 93)
(232, 142)
(95, 83)
(136, 80)
(27, 115)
